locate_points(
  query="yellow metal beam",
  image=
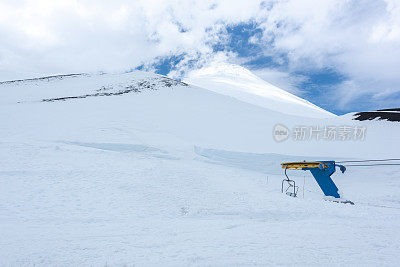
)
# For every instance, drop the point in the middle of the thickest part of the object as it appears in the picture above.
(301, 165)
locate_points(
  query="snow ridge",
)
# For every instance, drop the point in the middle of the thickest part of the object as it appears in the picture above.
(238, 82)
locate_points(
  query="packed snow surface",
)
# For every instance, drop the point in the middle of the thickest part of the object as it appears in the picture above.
(138, 169)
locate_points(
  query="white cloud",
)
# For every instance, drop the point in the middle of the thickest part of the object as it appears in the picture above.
(360, 39)
(46, 37)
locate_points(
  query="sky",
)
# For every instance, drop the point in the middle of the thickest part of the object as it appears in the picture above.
(341, 55)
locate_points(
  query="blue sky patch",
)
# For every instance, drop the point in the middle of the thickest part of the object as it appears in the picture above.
(239, 40)
(163, 65)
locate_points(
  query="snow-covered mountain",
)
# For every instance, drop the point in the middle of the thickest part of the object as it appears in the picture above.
(238, 82)
(136, 168)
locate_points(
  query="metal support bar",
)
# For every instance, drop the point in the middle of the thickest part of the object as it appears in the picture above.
(291, 184)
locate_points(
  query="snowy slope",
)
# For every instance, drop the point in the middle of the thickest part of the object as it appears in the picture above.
(138, 169)
(238, 82)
